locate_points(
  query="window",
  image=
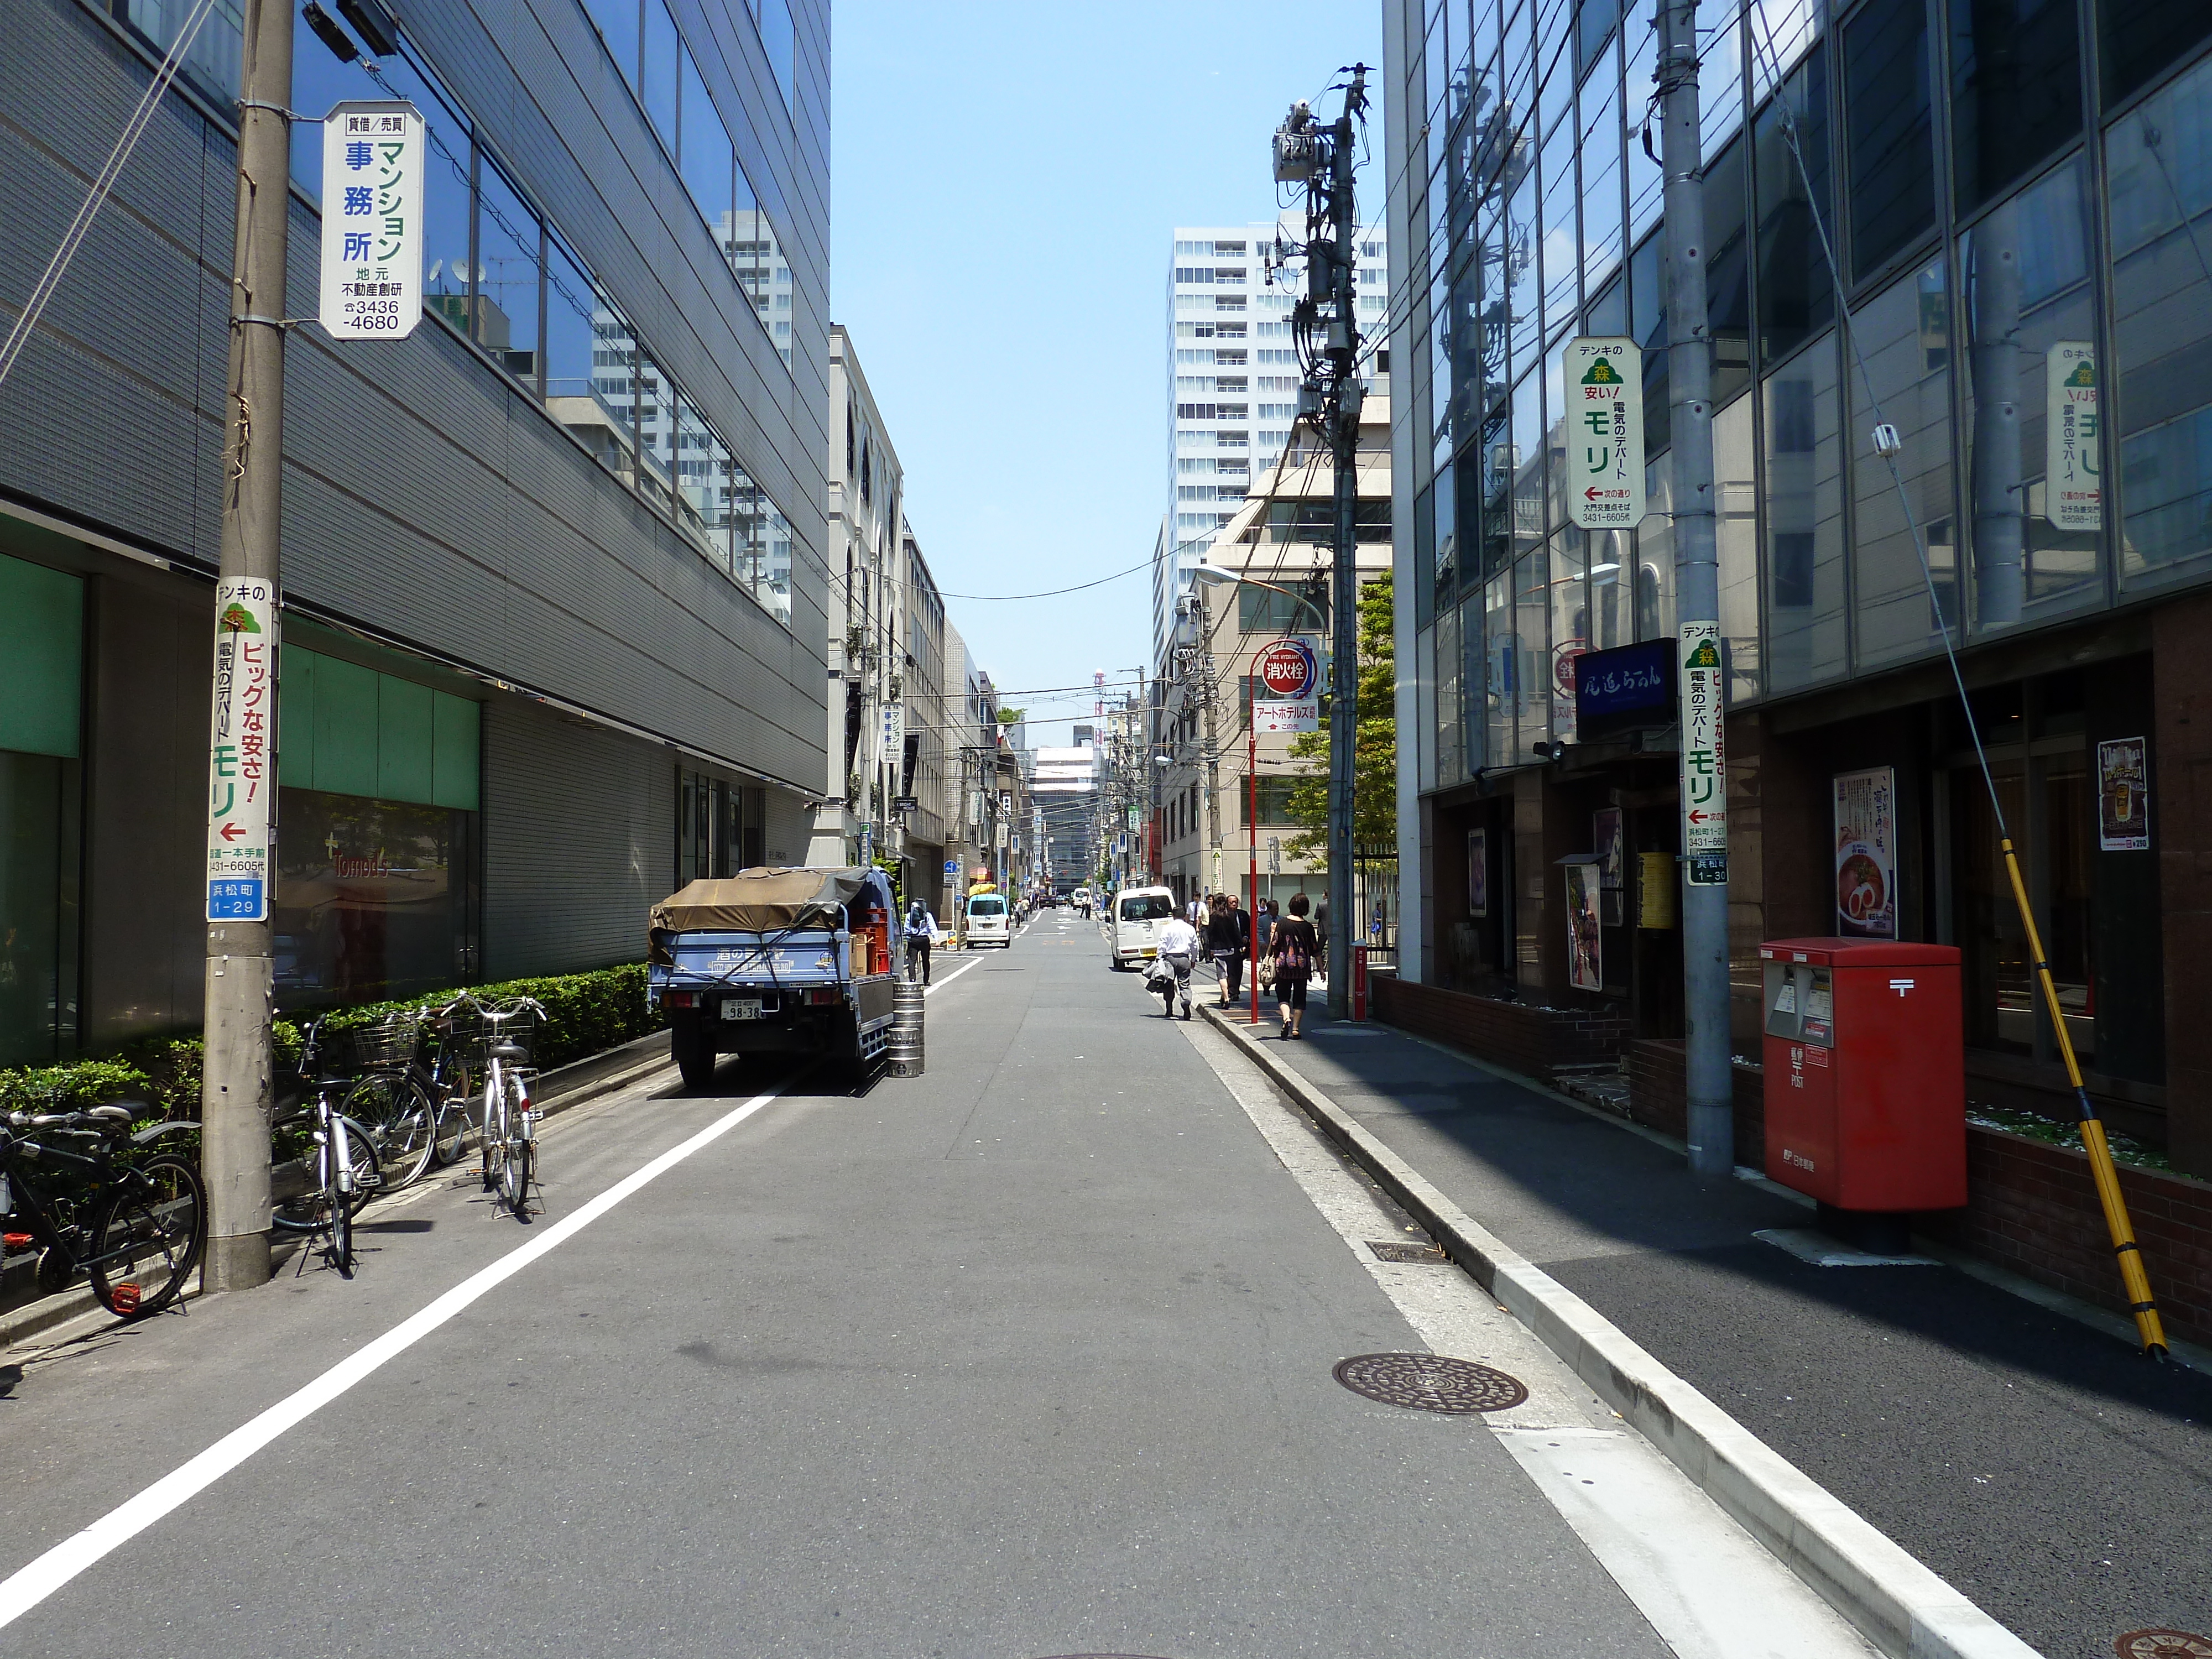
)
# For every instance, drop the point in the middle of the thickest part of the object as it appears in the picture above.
(1796, 292)
(2030, 325)
(1195, 464)
(2137, 41)
(1803, 486)
(1728, 271)
(1230, 383)
(1274, 799)
(2016, 90)
(1231, 274)
(1231, 357)
(1191, 274)
(505, 308)
(620, 24)
(1276, 611)
(1229, 331)
(1229, 250)
(215, 60)
(2161, 173)
(1229, 302)
(1888, 150)
(1905, 332)
(661, 71)
(779, 38)
(705, 156)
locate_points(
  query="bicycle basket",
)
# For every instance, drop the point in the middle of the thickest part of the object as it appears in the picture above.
(381, 1047)
(520, 1032)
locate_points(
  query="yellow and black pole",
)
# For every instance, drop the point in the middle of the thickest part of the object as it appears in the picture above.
(2141, 1302)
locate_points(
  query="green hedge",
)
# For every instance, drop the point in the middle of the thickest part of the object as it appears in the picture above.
(585, 1014)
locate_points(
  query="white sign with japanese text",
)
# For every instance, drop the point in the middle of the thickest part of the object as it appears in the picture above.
(1604, 439)
(2073, 496)
(372, 221)
(242, 751)
(893, 731)
(1704, 782)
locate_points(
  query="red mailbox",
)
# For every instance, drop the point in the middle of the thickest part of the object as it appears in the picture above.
(1866, 1086)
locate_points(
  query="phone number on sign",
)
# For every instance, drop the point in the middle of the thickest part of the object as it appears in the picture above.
(378, 314)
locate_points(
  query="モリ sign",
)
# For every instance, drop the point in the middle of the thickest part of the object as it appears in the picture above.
(1704, 783)
(242, 750)
(1604, 436)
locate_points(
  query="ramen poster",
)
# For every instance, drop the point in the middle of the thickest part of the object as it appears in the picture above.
(1866, 854)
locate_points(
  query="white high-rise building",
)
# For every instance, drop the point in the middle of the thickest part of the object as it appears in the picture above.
(1233, 379)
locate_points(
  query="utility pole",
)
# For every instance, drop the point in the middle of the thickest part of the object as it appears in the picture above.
(235, 1084)
(1709, 1081)
(1332, 398)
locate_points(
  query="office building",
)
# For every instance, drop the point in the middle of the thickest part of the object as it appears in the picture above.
(555, 593)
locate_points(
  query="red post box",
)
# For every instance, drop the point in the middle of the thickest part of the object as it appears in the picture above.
(1866, 1084)
(1359, 981)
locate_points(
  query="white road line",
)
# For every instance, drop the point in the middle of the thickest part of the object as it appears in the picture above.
(32, 1584)
(1708, 1589)
(935, 986)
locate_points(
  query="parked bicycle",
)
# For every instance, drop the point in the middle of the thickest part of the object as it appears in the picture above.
(75, 1182)
(342, 1166)
(507, 1121)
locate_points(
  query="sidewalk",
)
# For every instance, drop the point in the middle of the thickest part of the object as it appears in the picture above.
(2046, 1470)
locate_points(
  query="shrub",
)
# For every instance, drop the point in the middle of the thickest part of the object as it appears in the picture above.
(585, 1014)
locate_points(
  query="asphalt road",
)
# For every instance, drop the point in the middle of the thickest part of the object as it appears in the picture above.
(1030, 1356)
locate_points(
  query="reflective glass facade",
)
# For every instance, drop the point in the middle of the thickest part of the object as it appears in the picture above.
(2018, 196)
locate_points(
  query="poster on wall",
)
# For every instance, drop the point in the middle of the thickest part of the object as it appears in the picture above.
(1866, 854)
(1478, 872)
(2123, 795)
(1605, 842)
(1655, 891)
(1585, 927)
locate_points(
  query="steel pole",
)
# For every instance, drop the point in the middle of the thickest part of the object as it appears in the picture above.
(1708, 1079)
(1252, 823)
(236, 1085)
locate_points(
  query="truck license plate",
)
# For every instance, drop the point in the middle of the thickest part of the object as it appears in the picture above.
(741, 1008)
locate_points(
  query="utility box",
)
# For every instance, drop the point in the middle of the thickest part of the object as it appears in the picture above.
(1865, 1062)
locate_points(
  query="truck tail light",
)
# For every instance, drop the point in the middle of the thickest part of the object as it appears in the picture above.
(679, 998)
(824, 994)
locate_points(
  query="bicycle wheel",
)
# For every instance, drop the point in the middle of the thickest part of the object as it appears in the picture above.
(401, 1119)
(367, 1181)
(514, 1158)
(147, 1239)
(491, 1132)
(450, 1132)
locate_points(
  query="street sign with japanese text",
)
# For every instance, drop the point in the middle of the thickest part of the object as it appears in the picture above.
(2073, 498)
(1287, 686)
(242, 750)
(1604, 439)
(372, 221)
(893, 731)
(1704, 782)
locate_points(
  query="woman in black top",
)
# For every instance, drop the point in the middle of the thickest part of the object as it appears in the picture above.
(1294, 945)
(1225, 941)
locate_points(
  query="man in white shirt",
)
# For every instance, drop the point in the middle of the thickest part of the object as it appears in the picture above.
(1178, 955)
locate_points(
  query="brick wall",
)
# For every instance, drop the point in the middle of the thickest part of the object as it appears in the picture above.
(2030, 1208)
(1658, 1100)
(1518, 1035)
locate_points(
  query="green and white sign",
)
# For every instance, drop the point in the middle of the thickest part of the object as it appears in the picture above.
(1704, 781)
(1604, 435)
(2073, 492)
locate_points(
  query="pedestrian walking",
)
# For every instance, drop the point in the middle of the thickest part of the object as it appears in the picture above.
(1295, 947)
(1263, 927)
(920, 936)
(1321, 932)
(1171, 968)
(1227, 940)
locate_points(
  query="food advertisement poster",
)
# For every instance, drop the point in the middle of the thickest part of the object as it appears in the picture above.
(1585, 930)
(1478, 872)
(1866, 854)
(2122, 797)
(1605, 842)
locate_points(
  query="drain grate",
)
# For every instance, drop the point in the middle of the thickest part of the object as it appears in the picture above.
(2162, 1644)
(1431, 1382)
(1395, 1249)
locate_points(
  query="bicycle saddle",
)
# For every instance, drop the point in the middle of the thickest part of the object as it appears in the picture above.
(506, 1051)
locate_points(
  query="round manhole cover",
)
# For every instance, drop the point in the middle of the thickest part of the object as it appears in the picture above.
(1430, 1382)
(2162, 1644)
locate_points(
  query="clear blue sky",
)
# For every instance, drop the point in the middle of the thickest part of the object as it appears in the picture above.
(1004, 178)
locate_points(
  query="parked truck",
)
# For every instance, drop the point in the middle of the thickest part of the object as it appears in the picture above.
(776, 962)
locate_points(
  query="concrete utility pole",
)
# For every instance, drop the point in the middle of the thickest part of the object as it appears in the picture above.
(235, 1087)
(1341, 426)
(1709, 1081)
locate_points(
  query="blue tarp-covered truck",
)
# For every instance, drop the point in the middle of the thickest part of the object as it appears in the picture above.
(776, 961)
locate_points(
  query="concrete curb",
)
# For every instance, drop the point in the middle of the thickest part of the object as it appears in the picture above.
(558, 1091)
(1895, 1601)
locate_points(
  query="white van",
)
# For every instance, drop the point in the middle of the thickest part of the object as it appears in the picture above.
(1139, 913)
(988, 922)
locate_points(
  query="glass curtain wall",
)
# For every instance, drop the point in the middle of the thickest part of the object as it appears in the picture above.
(1974, 252)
